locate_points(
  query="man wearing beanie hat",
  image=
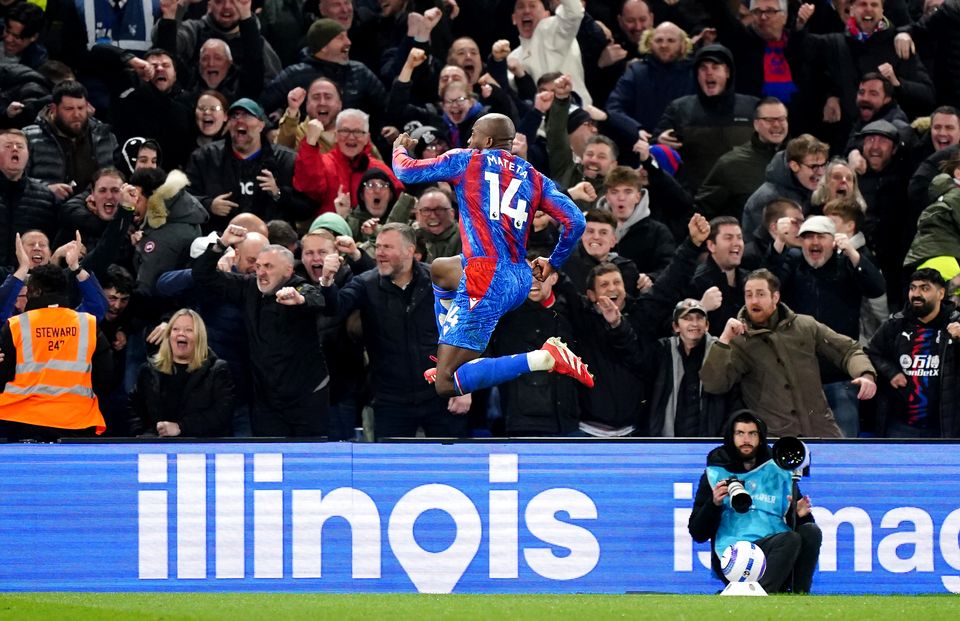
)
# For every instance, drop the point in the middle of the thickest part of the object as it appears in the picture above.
(704, 126)
(329, 57)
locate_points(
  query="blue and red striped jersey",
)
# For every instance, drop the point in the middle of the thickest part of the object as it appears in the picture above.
(498, 194)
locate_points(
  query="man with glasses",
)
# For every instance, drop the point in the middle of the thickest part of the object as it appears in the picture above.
(761, 50)
(325, 176)
(739, 173)
(245, 173)
(794, 174)
(437, 225)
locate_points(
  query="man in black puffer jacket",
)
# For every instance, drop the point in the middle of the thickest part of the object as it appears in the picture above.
(25, 204)
(66, 145)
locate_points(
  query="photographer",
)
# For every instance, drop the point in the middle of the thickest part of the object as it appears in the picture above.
(745, 457)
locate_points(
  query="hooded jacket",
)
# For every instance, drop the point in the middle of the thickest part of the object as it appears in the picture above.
(938, 229)
(705, 518)
(708, 127)
(643, 240)
(778, 371)
(172, 222)
(780, 183)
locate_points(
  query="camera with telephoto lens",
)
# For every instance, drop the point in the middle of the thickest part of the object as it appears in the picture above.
(740, 499)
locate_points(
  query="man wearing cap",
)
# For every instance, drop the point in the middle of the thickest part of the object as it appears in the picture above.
(246, 173)
(231, 21)
(774, 355)
(915, 355)
(706, 125)
(828, 279)
(890, 222)
(329, 57)
(678, 407)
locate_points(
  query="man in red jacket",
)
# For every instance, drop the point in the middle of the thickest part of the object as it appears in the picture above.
(321, 176)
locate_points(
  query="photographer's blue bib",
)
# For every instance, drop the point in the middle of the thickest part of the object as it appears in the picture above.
(769, 486)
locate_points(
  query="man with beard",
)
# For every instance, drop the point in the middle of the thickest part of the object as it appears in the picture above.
(865, 46)
(891, 222)
(246, 173)
(66, 144)
(24, 203)
(745, 457)
(323, 104)
(915, 354)
(290, 380)
(828, 278)
(400, 333)
(648, 86)
(774, 355)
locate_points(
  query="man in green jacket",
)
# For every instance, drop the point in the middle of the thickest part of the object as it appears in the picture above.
(773, 353)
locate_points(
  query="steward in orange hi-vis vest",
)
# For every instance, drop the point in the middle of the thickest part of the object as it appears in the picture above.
(53, 384)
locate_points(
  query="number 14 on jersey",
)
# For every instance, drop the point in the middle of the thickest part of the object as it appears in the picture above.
(501, 204)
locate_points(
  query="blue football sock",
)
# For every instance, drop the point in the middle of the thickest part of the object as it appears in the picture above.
(442, 299)
(487, 372)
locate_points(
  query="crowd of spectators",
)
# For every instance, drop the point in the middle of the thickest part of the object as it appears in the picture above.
(771, 190)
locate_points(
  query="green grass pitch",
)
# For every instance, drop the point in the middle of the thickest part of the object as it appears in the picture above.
(282, 607)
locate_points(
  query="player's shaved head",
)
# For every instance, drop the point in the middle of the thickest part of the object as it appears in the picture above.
(493, 131)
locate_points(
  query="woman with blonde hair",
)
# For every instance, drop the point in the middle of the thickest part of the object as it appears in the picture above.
(185, 390)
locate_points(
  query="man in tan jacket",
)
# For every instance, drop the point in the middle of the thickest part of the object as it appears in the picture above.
(773, 353)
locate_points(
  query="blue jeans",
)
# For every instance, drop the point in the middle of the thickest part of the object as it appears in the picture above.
(842, 397)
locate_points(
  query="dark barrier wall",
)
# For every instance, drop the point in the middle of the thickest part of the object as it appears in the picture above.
(508, 518)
